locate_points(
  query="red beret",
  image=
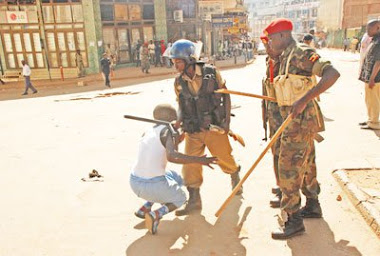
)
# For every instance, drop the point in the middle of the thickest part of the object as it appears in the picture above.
(264, 39)
(278, 25)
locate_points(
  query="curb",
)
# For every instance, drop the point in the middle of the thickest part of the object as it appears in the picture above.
(359, 198)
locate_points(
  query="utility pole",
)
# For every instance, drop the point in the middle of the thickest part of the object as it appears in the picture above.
(43, 35)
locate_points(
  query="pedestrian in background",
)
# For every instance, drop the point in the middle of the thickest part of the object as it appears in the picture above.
(157, 53)
(105, 66)
(346, 43)
(151, 48)
(370, 75)
(26, 72)
(307, 39)
(144, 55)
(79, 63)
(354, 44)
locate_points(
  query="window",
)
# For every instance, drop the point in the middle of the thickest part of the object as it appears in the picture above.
(148, 12)
(77, 13)
(106, 12)
(121, 12)
(48, 14)
(20, 46)
(62, 13)
(134, 12)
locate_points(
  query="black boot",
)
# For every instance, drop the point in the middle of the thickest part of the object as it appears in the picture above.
(312, 209)
(193, 204)
(276, 201)
(235, 179)
(293, 227)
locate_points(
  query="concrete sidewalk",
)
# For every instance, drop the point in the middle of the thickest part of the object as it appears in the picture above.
(121, 77)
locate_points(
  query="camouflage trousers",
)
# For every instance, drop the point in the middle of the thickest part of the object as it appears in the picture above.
(297, 167)
(275, 120)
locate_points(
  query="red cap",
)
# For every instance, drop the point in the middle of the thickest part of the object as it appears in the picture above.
(264, 39)
(278, 25)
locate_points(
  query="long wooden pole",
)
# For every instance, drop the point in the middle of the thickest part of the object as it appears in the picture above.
(270, 144)
(225, 91)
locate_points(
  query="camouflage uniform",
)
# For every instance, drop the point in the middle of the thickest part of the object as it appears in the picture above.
(297, 166)
(274, 116)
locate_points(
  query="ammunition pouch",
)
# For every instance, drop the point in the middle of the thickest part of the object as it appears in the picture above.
(290, 88)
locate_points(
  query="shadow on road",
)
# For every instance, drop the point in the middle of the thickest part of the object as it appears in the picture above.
(319, 240)
(195, 236)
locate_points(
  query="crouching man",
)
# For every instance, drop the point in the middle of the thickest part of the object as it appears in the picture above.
(149, 180)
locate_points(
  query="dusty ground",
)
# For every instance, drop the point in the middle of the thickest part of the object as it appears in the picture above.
(50, 143)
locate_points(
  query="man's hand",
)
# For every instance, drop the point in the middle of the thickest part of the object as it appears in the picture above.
(208, 161)
(177, 124)
(298, 107)
(371, 84)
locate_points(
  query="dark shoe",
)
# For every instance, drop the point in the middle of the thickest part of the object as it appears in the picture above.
(35, 91)
(293, 227)
(363, 123)
(151, 222)
(276, 201)
(312, 209)
(25, 93)
(367, 127)
(276, 190)
(193, 204)
(235, 179)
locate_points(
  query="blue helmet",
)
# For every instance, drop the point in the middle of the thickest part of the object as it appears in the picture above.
(183, 49)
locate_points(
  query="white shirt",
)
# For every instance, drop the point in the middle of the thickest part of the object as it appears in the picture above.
(151, 159)
(26, 70)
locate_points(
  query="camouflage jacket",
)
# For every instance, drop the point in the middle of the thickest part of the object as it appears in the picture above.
(305, 62)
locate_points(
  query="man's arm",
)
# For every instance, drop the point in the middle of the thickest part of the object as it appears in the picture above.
(175, 157)
(375, 71)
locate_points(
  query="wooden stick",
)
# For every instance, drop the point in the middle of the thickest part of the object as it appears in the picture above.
(246, 94)
(270, 144)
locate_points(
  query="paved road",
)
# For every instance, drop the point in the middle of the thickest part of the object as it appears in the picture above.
(50, 143)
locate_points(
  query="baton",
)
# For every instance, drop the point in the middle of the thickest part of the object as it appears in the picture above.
(225, 91)
(154, 121)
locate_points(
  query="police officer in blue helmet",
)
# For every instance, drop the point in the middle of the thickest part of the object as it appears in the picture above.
(199, 108)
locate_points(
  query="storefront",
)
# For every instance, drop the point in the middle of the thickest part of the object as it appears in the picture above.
(46, 44)
(124, 24)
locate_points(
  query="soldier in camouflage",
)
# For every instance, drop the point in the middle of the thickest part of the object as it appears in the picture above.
(296, 95)
(273, 113)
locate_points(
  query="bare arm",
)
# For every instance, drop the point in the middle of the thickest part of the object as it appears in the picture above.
(375, 71)
(175, 157)
(329, 77)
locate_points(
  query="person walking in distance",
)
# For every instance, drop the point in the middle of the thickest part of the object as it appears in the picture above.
(105, 66)
(26, 73)
(199, 108)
